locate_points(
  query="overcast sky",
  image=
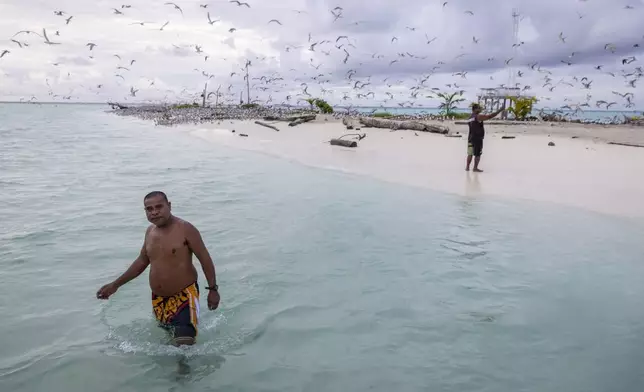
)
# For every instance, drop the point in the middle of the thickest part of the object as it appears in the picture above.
(390, 48)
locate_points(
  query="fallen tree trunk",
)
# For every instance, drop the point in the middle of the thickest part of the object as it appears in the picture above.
(267, 125)
(395, 125)
(343, 142)
(339, 141)
(307, 117)
(301, 120)
(626, 144)
(347, 122)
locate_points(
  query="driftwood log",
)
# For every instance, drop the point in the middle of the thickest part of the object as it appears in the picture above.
(301, 120)
(267, 125)
(626, 144)
(347, 122)
(343, 142)
(395, 125)
(339, 141)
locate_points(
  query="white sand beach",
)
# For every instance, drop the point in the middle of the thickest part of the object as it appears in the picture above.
(584, 171)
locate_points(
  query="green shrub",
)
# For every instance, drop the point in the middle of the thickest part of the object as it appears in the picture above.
(185, 105)
(382, 115)
(321, 104)
(521, 106)
(250, 105)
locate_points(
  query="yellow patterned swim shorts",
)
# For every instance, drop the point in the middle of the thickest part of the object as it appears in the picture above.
(178, 313)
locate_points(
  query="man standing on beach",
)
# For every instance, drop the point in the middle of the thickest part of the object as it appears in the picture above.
(476, 135)
(168, 247)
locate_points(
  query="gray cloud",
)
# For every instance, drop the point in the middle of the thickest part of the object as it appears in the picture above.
(477, 45)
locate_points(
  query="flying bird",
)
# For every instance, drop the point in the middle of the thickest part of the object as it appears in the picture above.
(68, 20)
(239, 3)
(175, 6)
(562, 38)
(276, 21)
(47, 41)
(117, 12)
(21, 44)
(91, 46)
(210, 21)
(26, 32)
(4, 52)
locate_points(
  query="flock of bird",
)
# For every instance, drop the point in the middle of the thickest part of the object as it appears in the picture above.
(337, 67)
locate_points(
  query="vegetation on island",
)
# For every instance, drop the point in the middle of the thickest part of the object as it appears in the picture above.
(185, 105)
(250, 106)
(450, 101)
(459, 115)
(382, 114)
(321, 104)
(521, 107)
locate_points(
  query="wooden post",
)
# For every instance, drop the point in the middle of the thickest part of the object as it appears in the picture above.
(247, 83)
(205, 91)
(217, 96)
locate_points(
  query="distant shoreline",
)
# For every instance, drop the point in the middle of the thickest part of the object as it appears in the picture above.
(386, 108)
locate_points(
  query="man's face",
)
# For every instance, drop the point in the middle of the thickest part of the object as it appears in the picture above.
(157, 210)
(476, 109)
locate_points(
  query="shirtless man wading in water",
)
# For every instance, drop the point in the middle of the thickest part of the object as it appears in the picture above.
(168, 247)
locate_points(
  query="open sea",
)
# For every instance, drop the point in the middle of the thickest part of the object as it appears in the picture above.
(329, 281)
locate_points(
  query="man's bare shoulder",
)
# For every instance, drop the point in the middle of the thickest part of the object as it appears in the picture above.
(187, 226)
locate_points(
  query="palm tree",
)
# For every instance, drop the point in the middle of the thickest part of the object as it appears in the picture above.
(450, 101)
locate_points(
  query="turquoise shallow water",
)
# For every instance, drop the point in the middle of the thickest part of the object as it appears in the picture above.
(330, 282)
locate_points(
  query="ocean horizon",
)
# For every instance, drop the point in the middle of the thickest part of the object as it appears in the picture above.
(330, 281)
(587, 115)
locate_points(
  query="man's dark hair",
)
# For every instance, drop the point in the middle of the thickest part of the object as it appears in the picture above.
(155, 194)
(476, 106)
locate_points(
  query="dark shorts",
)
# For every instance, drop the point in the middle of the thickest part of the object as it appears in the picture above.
(179, 313)
(475, 147)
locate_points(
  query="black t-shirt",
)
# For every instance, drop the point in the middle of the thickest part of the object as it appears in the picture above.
(477, 130)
